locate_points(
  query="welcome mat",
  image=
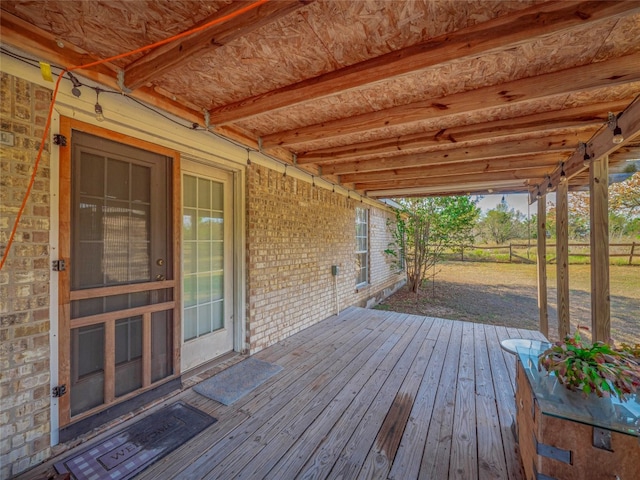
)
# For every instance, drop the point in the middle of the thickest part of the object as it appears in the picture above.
(127, 453)
(233, 383)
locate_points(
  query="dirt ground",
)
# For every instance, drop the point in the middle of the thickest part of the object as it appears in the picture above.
(506, 294)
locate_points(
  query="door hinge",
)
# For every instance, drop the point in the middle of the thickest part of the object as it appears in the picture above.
(60, 390)
(59, 139)
(58, 266)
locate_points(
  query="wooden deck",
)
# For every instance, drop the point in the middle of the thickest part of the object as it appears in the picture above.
(366, 394)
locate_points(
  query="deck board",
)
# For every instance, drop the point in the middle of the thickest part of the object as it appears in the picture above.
(366, 394)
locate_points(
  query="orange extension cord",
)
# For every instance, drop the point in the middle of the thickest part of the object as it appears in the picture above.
(93, 64)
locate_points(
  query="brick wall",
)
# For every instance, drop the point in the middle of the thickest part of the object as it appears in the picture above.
(24, 281)
(296, 232)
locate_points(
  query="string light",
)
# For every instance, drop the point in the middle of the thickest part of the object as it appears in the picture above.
(76, 85)
(617, 131)
(98, 107)
(248, 157)
(284, 175)
(563, 175)
(586, 158)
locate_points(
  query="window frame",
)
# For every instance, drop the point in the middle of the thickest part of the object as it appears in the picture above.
(362, 214)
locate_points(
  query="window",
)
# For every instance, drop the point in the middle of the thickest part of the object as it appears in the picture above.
(362, 246)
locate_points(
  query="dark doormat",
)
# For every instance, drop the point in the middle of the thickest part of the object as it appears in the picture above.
(127, 453)
(233, 383)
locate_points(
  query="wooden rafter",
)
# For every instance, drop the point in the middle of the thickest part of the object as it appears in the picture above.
(522, 163)
(428, 181)
(470, 188)
(570, 118)
(618, 71)
(556, 145)
(501, 145)
(175, 54)
(501, 32)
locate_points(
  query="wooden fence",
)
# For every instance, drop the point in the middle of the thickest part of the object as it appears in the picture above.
(513, 247)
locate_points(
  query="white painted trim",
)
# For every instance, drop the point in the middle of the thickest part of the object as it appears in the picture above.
(239, 248)
(200, 350)
(54, 235)
(239, 262)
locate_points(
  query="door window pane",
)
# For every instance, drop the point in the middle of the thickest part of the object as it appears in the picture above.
(113, 224)
(203, 257)
(161, 345)
(128, 357)
(204, 194)
(189, 187)
(190, 320)
(118, 179)
(87, 368)
(92, 179)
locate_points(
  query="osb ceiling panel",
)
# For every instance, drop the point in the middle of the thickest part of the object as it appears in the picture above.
(570, 49)
(256, 70)
(320, 38)
(257, 63)
(108, 28)
(623, 38)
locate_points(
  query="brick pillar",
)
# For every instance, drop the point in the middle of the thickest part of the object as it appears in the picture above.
(24, 280)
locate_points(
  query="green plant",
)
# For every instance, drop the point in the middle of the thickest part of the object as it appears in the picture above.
(593, 368)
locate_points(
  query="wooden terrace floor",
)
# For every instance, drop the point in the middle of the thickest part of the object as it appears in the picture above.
(366, 394)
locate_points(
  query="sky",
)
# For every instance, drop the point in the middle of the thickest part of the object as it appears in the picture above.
(518, 202)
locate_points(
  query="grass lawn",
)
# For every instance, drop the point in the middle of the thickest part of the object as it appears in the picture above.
(506, 294)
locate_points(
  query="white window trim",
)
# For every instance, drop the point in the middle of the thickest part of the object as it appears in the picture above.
(366, 252)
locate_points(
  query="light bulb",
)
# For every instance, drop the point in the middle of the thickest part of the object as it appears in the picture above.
(617, 135)
(99, 114)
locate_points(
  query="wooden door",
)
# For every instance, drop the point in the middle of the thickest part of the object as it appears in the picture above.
(117, 325)
(207, 273)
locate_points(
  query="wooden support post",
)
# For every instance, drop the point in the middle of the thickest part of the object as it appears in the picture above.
(562, 258)
(599, 222)
(542, 265)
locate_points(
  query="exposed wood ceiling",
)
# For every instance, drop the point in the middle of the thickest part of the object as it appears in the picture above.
(391, 98)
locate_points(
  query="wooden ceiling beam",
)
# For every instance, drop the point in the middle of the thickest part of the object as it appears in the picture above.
(571, 118)
(179, 52)
(498, 33)
(618, 71)
(428, 181)
(548, 161)
(471, 188)
(599, 146)
(556, 145)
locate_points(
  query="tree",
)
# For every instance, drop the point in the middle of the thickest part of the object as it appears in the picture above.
(625, 196)
(501, 223)
(624, 209)
(424, 227)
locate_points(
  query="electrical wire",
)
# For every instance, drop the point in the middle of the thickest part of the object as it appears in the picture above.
(193, 126)
(93, 64)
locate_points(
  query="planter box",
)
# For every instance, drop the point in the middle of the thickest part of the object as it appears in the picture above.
(561, 439)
